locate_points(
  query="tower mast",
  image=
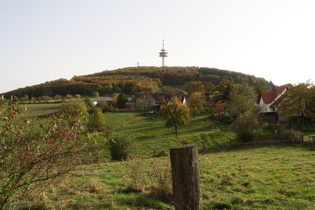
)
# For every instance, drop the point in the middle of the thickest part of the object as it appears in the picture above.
(163, 54)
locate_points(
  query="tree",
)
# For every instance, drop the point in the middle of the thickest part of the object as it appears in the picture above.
(241, 99)
(96, 94)
(297, 104)
(96, 120)
(196, 103)
(77, 96)
(58, 97)
(245, 126)
(35, 154)
(69, 96)
(175, 113)
(218, 110)
(194, 86)
(225, 88)
(121, 100)
(208, 87)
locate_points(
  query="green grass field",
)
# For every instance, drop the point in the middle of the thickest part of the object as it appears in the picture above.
(248, 177)
(36, 110)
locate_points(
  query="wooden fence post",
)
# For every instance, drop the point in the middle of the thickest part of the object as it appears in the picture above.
(186, 177)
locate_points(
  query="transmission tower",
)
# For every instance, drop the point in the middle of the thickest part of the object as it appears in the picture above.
(163, 54)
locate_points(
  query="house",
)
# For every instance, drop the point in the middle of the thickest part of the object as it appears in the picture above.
(159, 96)
(268, 100)
(107, 100)
(145, 100)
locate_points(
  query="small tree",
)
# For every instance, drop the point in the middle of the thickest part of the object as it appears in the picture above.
(175, 113)
(95, 94)
(121, 100)
(96, 120)
(69, 96)
(241, 99)
(245, 127)
(58, 97)
(77, 96)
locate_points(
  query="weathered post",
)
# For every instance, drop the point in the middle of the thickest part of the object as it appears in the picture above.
(186, 177)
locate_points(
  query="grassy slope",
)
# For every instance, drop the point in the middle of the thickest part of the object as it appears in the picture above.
(273, 177)
(34, 110)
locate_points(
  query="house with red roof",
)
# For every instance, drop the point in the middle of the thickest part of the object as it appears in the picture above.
(269, 99)
(146, 101)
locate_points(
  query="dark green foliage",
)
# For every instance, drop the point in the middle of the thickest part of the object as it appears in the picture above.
(121, 147)
(241, 99)
(298, 105)
(121, 101)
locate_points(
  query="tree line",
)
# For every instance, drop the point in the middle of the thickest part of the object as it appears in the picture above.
(133, 80)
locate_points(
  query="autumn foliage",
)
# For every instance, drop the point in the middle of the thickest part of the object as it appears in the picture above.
(133, 80)
(35, 154)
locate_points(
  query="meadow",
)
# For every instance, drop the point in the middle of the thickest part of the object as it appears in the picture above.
(273, 176)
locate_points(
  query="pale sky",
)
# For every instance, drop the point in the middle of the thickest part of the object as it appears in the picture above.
(44, 40)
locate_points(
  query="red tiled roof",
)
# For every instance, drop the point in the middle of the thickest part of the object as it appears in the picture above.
(280, 89)
(268, 97)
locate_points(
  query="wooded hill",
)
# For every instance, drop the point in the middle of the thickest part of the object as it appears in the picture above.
(133, 80)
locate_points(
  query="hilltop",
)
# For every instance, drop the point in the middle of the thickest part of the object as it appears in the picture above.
(132, 80)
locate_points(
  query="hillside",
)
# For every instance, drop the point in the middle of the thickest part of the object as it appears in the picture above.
(133, 80)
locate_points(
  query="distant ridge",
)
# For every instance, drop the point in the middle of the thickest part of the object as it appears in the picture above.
(132, 80)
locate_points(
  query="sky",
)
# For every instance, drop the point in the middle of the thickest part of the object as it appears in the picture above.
(44, 40)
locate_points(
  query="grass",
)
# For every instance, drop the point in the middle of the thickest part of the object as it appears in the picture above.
(261, 178)
(266, 177)
(36, 110)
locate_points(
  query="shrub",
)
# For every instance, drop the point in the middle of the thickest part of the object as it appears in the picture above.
(75, 107)
(245, 127)
(121, 147)
(96, 120)
(35, 154)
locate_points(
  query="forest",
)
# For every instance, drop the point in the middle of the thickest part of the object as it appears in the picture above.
(132, 80)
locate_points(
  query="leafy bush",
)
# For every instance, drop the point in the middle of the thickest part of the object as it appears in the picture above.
(96, 120)
(75, 107)
(35, 154)
(245, 127)
(121, 147)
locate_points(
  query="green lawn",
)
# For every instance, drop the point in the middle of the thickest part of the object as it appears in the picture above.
(266, 177)
(261, 178)
(36, 110)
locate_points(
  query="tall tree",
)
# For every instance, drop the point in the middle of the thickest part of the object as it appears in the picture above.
(196, 103)
(175, 113)
(225, 88)
(298, 104)
(242, 99)
(194, 86)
